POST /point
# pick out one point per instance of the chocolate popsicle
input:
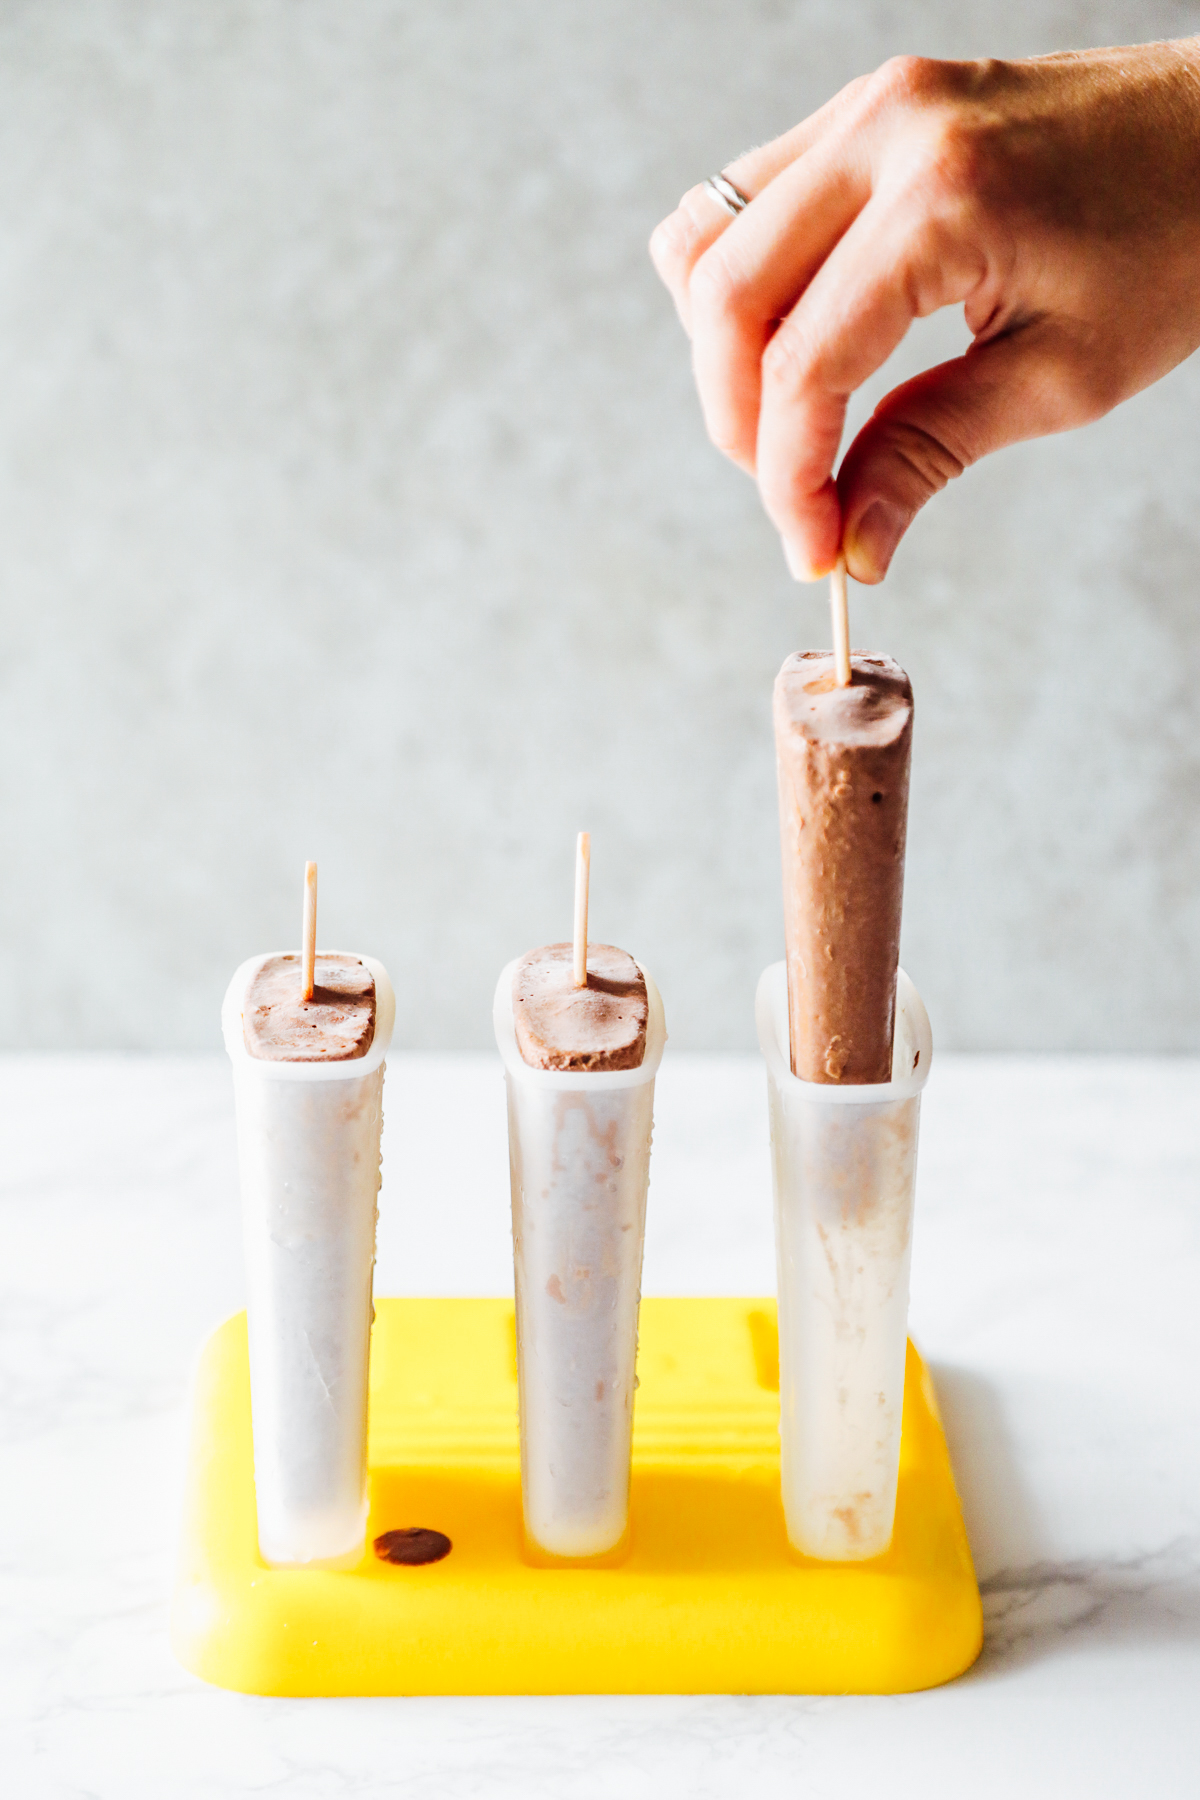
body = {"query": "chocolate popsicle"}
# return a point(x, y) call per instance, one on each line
point(580, 1065)
point(336, 1025)
point(597, 1027)
point(843, 759)
point(308, 1081)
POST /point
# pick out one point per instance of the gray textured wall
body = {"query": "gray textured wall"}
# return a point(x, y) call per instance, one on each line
point(354, 504)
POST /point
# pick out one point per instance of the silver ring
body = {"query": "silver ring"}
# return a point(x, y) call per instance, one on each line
point(730, 197)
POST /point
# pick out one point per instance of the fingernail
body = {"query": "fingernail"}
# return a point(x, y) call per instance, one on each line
point(871, 543)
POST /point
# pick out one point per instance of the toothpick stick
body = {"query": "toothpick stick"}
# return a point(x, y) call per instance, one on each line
point(841, 623)
point(309, 949)
point(583, 869)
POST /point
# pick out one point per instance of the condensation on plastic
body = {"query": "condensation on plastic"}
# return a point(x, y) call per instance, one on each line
point(844, 1161)
point(579, 1158)
point(308, 1153)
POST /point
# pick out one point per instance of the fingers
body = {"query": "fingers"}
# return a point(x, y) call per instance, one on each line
point(678, 243)
point(855, 228)
point(753, 275)
point(888, 268)
point(1023, 385)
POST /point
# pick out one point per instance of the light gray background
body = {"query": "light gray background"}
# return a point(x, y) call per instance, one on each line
point(354, 504)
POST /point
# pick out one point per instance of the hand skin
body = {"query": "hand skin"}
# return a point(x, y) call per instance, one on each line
point(1057, 200)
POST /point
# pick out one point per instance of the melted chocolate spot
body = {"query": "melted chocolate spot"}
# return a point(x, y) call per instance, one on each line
point(412, 1545)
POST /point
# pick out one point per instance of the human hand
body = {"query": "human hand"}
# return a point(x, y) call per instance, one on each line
point(1058, 200)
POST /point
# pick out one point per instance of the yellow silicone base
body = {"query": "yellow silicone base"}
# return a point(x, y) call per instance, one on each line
point(709, 1599)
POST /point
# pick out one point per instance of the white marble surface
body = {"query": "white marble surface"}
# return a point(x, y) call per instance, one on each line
point(1056, 1271)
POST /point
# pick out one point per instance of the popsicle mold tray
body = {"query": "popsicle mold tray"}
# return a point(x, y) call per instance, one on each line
point(709, 1599)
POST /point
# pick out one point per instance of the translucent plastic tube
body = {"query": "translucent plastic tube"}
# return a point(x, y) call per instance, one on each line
point(308, 1153)
point(579, 1156)
point(844, 1161)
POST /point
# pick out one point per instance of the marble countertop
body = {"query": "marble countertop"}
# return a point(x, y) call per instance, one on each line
point(1055, 1281)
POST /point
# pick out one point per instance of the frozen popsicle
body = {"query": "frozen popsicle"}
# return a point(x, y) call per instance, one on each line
point(845, 1088)
point(580, 1064)
point(308, 1083)
point(597, 1027)
point(843, 759)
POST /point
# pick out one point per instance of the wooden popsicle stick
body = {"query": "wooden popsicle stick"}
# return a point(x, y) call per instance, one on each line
point(841, 623)
point(308, 954)
point(583, 870)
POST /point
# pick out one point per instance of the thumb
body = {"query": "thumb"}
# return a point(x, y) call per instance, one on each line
point(924, 433)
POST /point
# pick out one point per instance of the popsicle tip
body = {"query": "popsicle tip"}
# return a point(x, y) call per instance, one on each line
point(840, 614)
point(583, 869)
point(308, 949)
